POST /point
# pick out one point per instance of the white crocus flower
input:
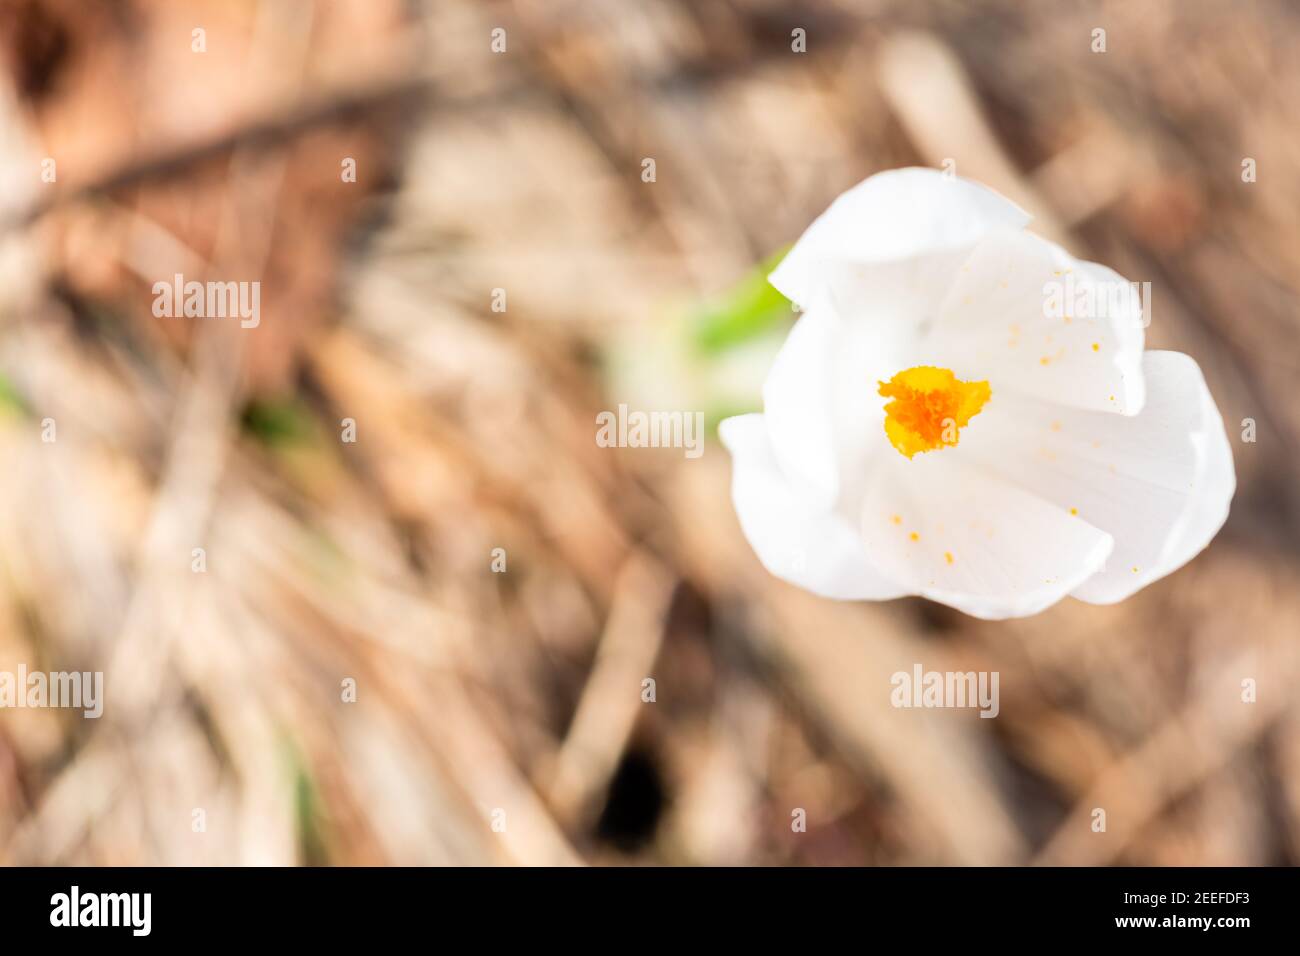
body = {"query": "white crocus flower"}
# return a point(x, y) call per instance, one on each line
point(965, 412)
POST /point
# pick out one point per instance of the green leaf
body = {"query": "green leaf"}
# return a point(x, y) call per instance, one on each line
point(748, 309)
point(310, 823)
point(11, 400)
point(278, 422)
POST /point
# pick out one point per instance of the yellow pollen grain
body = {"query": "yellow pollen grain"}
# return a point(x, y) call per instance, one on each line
point(914, 536)
point(1135, 570)
point(928, 407)
point(1045, 360)
point(947, 556)
point(1074, 511)
point(897, 519)
point(1096, 346)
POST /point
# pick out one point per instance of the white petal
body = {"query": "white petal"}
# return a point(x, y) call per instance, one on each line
point(822, 407)
point(1159, 482)
point(800, 543)
point(1209, 503)
point(892, 216)
point(896, 301)
point(799, 409)
point(1180, 397)
point(981, 545)
point(1027, 316)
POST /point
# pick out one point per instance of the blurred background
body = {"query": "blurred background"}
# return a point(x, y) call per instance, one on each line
point(499, 714)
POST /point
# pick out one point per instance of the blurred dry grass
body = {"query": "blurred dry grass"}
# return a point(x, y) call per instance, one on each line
point(521, 691)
